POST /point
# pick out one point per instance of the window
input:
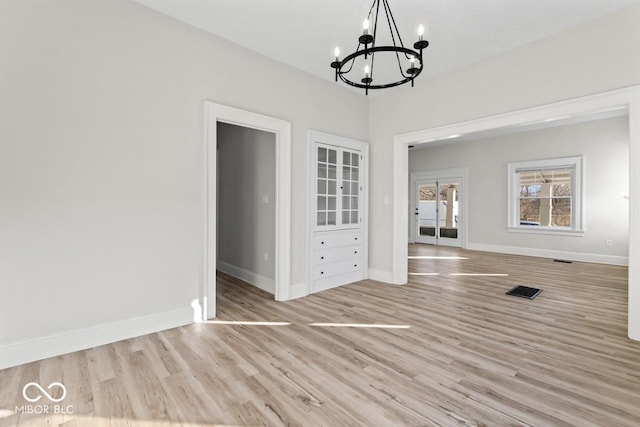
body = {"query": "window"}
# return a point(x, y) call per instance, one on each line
point(545, 196)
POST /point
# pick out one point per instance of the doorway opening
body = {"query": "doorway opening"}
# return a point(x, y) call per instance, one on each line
point(623, 99)
point(246, 216)
point(281, 129)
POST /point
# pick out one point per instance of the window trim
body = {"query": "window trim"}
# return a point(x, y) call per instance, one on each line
point(577, 196)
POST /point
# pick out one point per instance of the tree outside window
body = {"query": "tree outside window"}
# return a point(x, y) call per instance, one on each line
point(545, 196)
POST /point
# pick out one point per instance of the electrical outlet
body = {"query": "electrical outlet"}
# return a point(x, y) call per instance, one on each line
point(265, 198)
point(609, 242)
point(266, 256)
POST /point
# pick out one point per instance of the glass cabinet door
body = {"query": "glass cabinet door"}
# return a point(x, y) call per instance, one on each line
point(338, 174)
point(327, 180)
point(350, 187)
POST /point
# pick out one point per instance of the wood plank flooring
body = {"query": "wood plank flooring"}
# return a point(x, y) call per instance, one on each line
point(447, 349)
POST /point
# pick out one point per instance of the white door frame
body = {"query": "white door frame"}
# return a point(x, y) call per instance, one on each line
point(215, 113)
point(627, 98)
point(450, 173)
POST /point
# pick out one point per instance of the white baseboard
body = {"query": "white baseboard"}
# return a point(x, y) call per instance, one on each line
point(548, 253)
point(22, 352)
point(299, 290)
point(381, 275)
point(257, 280)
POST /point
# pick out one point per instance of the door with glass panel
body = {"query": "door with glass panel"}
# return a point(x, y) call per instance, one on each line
point(437, 211)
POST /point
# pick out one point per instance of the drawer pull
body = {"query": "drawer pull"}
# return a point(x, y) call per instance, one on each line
point(356, 238)
point(321, 257)
point(322, 243)
point(355, 265)
point(355, 252)
point(322, 272)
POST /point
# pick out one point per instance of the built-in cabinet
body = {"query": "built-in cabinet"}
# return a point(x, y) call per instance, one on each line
point(338, 207)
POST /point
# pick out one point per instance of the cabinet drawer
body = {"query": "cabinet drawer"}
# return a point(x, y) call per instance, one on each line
point(323, 256)
point(336, 268)
point(333, 281)
point(332, 240)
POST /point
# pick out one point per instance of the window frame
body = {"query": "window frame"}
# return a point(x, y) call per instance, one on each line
point(576, 163)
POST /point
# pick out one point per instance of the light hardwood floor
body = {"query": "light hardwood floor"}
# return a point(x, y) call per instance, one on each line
point(446, 349)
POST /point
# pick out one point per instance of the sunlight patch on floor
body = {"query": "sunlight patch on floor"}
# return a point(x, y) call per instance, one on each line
point(359, 325)
point(246, 323)
point(326, 325)
point(479, 274)
point(434, 257)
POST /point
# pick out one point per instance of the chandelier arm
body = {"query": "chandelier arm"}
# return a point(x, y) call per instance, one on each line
point(384, 86)
point(373, 57)
point(400, 67)
point(344, 61)
point(356, 54)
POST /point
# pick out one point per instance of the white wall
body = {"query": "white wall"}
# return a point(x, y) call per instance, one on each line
point(101, 138)
point(605, 147)
point(592, 58)
point(101, 141)
point(246, 221)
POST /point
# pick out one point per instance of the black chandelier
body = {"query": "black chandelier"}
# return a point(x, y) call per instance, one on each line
point(412, 59)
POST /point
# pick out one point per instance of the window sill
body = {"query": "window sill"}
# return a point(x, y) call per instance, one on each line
point(547, 230)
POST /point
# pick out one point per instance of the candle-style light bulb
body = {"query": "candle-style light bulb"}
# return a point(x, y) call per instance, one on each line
point(420, 31)
point(367, 70)
point(336, 52)
point(365, 26)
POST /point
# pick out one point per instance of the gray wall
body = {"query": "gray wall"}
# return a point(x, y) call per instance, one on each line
point(562, 66)
point(605, 147)
point(246, 224)
point(101, 141)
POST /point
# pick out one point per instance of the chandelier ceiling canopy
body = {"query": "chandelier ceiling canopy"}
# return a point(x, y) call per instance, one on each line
point(409, 62)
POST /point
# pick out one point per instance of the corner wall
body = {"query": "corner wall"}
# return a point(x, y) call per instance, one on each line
point(101, 140)
point(595, 57)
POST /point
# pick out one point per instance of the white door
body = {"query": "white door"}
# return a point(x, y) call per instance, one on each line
point(438, 211)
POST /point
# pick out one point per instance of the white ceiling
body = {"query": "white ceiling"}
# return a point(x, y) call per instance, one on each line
point(303, 33)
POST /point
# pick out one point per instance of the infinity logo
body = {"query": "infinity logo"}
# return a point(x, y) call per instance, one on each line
point(44, 392)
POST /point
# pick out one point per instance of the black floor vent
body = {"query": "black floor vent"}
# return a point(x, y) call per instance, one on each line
point(563, 260)
point(524, 292)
